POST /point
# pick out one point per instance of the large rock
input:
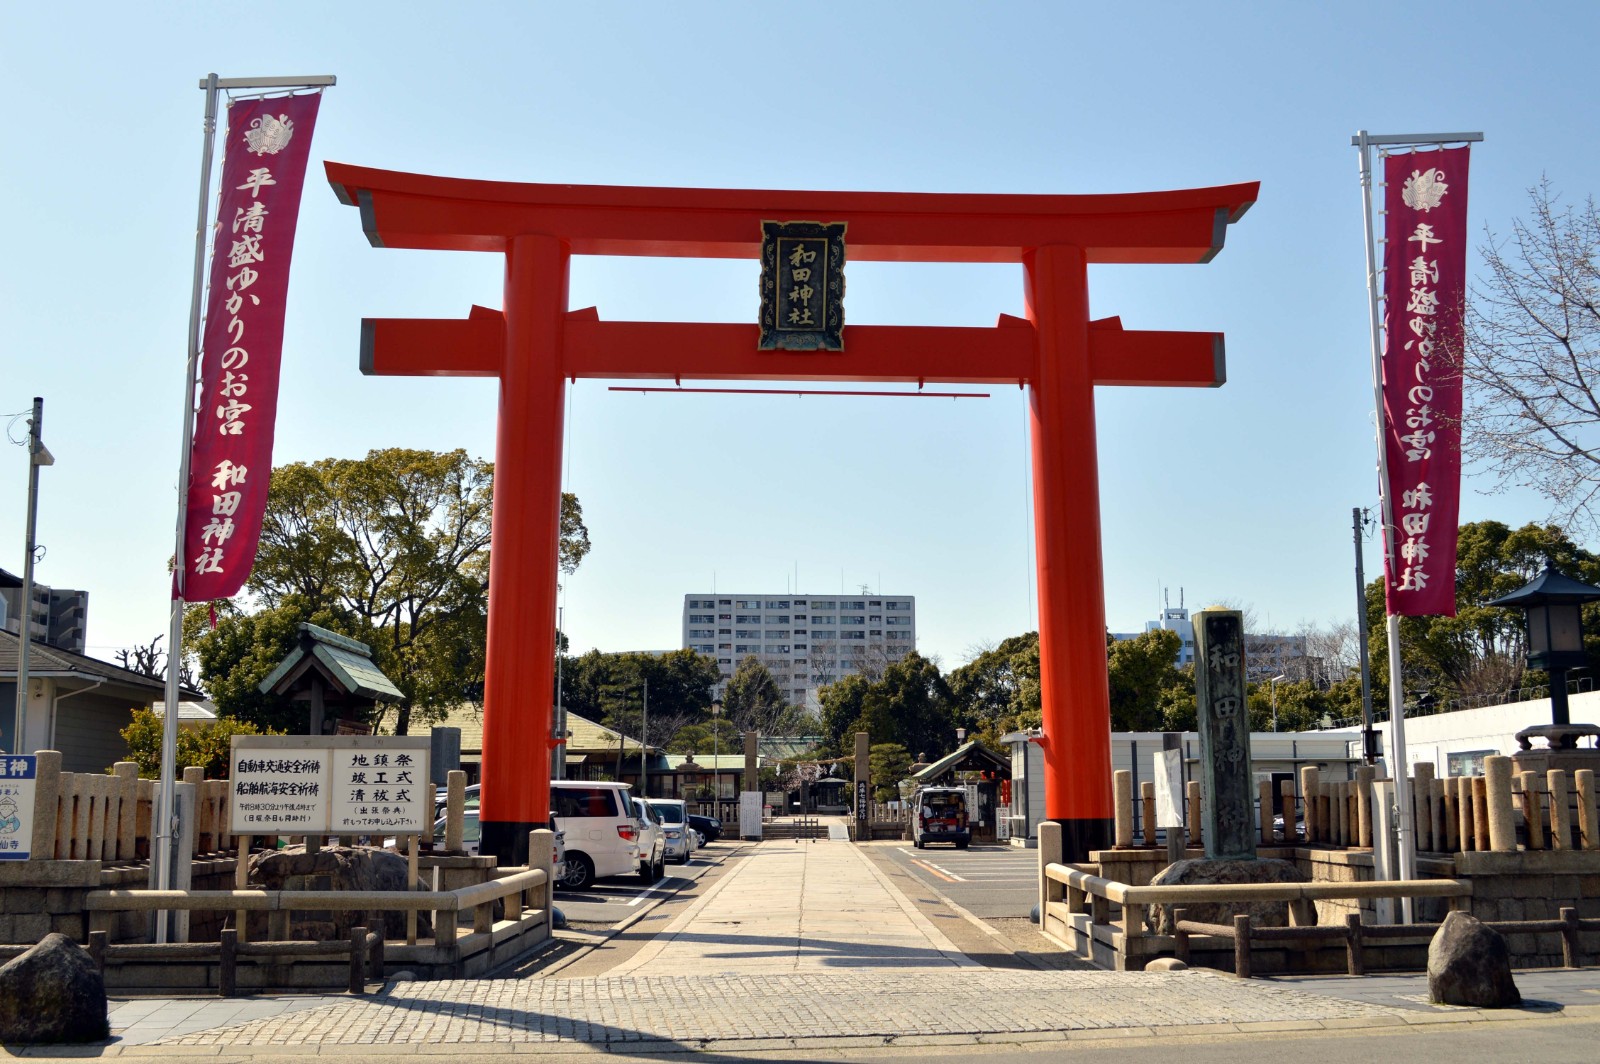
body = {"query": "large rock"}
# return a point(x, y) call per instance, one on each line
point(52, 993)
point(1469, 964)
point(1220, 872)
point(333, 868)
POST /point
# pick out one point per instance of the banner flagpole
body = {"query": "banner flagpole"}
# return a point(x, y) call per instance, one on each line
point(165, 823)
point(1404, 822)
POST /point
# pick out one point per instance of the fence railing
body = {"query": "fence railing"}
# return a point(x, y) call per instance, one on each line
point(1069, 892)
point(1544, 810)
point(1355, 934)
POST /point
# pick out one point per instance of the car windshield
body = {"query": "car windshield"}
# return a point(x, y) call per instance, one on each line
point(643, 811)
point(671, 814)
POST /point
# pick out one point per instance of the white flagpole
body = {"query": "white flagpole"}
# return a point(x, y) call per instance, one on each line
point(1404, 827)
point(166, 818)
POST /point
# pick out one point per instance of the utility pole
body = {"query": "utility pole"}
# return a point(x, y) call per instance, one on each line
point(38, 455)
point(644, 745)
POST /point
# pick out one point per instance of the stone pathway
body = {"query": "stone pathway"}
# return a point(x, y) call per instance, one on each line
point(877, 1006)
point(798, 907)
point(801, 945)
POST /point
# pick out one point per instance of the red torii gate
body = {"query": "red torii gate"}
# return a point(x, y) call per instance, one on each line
point(535, 345)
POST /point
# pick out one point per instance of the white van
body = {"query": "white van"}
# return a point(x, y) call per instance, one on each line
point(601, 829)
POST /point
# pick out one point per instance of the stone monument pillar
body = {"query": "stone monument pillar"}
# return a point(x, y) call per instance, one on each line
point(750, 798)
point(863, 787)
point(1227, 806)
point(1225, 779)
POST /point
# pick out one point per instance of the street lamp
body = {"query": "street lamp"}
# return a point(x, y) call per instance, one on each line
point(716, 762)
point(1274, 688)
point(1554, 605)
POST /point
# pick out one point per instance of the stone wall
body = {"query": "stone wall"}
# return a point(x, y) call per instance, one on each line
point(1536, 885)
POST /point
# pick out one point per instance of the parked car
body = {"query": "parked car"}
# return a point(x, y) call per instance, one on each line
point(674, 817)
point(709, 827)
point(652, 843)
point(442, 799)
point(940, 815)
point(472, 836)
point(603, 831)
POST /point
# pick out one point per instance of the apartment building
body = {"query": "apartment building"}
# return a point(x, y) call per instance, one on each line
point(57, 617)
point(807, 641)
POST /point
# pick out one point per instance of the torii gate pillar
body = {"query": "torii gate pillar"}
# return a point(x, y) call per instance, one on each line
point(1066, 490)
point(535, 345)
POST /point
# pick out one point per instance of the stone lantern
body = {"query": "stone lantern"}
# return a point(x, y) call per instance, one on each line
point(1553, 604)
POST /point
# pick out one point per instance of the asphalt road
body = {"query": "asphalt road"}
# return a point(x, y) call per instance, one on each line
point(987, 881)
point(615, 899)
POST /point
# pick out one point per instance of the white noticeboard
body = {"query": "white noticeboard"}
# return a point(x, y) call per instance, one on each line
point(18, 775)
point(750, 814)
point(329, 785)
point(1169, 788)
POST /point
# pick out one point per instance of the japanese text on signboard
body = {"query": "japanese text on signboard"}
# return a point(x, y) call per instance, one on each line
point(268, 143)
point(1424, 289)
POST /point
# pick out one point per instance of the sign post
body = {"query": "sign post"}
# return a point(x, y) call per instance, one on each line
point(863, 786)
point(1169, 795)
point(18, 776)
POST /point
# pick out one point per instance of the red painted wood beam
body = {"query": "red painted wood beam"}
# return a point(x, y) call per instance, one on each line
point(627, 350)
point(421, 211)
point(1151, 358)
point(434, 347)
point(879, 353)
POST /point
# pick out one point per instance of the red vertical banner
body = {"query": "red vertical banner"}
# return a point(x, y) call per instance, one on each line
point(1424, 288)
point(266, 148)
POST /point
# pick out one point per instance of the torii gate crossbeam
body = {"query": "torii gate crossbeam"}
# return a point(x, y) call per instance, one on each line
point(535, 345)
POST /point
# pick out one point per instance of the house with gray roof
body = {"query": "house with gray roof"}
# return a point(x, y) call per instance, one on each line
point(76, 704)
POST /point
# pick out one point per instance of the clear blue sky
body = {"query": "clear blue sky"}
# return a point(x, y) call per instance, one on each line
point(98, 181)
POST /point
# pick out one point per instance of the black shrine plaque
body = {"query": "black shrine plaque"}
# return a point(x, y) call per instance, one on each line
point(802, 286)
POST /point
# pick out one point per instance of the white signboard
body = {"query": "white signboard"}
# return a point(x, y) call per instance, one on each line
point(1169, 788)
point(18, 773)
point(278, 789)
point(381, 790)
point(329, 785)
point(749, 814)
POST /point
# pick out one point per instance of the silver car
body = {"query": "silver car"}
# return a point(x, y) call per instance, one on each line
point(674, 817)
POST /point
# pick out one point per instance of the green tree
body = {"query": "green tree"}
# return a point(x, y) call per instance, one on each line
point(609, 688)
point(843, 708)
point(753, 701)
point(1480, 652)
point(910, 706)
point(207, 746)
point(715, 735)
point(998, 691)
point(244, 648)
point(1139, 671)
point(393, 550)
point(889, 763)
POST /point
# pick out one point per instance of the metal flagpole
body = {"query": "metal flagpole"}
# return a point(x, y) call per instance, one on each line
point(1404, 827)
point(166, 819)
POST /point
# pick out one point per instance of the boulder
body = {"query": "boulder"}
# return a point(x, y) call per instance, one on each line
point(1166, 964)
point(332, 868)
point(1215, 872)
point(52, 993)
point(1469, 964)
